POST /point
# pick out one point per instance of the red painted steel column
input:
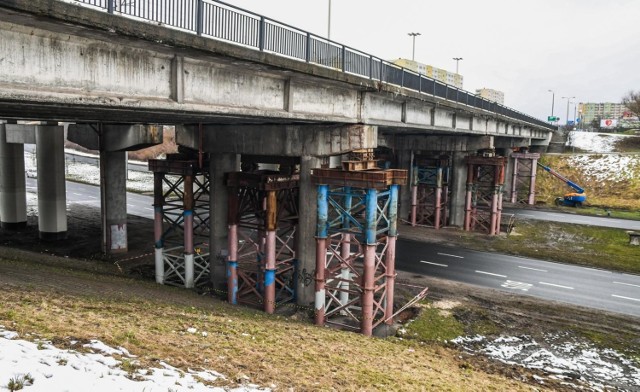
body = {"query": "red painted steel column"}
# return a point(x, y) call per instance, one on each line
point(532, 184)
point(514, 181)
point(345, 273)
point(368, 282)
point(390, 278)
point(321, 257)
point(494, 202)
point(270, 251)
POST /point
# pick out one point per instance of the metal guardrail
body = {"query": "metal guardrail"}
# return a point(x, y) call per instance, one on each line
point(215, 19)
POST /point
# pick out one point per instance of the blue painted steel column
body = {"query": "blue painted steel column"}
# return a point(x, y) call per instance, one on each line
point(368, 276)
point(322, 231)
point(390, 259)
point(271, 223)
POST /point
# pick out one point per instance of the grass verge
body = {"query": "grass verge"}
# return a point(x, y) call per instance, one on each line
point(152, 322)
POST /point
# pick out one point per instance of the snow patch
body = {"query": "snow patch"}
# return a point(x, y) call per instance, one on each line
point(610, 167)
point(592, 141)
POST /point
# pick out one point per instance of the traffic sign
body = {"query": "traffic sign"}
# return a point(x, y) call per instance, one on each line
point(553, 118)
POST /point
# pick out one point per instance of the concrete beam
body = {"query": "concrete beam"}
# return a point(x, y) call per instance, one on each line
point(21, 133)
point(442, 143)
point(115, 137)
point(281, 140)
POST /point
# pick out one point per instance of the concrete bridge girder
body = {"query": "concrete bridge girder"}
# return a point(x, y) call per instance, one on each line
point(278, 140)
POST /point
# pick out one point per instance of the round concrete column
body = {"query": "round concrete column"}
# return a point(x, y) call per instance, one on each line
point(13, 196)
point(52, 214)
point(113, 200)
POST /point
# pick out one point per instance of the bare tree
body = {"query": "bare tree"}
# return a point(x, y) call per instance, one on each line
point(632, 102)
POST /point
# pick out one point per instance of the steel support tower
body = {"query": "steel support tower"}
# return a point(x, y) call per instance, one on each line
point(355, 245)
point(483, 202)
point(181, 220)
point(523, 182)
point(263, 221)
point(430, 191)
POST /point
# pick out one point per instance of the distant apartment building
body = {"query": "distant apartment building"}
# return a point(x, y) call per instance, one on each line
point(436, 73)
point(491, 94)
point(588, 111)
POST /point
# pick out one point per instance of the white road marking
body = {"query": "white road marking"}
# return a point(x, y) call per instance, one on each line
point(556, 285)
point(428, 262)
point(511, 284)
point(447, 254)
point(597, 270)
point(629, 298)
point(77, 194)
point(533, 216)
point(130, 205)
point(532, 269)
point(148, 208)
point(92, 197)
point(492, 274)
point(627, 284)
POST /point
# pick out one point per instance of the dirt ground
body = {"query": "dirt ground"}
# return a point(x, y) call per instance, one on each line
point(513, 314)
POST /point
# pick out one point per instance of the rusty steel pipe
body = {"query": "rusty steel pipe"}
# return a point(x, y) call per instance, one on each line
point(390, 277)
point(368, 282)
point(270, 253)
point(514, 181)
point(532, 183)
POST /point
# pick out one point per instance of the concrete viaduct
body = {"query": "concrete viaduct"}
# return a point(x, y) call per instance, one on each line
point(116, 80)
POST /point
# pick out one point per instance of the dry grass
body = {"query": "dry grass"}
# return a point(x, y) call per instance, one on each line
point(151, 321)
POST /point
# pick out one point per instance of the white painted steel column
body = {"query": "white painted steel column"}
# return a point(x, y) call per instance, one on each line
point(52, 214)
point(13, 195)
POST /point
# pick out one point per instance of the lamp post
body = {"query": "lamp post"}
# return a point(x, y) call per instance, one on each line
point(568, 101)
point(413, 53)
point(553, 102)
point(329, 22)
point(457, 59)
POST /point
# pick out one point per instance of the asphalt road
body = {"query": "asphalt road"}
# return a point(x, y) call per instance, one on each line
point(588, 287)
point(593, 288)
point(625, 224)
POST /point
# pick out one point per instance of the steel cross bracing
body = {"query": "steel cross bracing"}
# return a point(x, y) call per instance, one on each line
point(430, 192)
point(523, 184)
point(355, 247)
point(483, 202)
point(181, 222)
point(263, 222)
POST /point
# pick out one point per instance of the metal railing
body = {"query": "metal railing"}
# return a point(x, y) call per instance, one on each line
point(215, 19)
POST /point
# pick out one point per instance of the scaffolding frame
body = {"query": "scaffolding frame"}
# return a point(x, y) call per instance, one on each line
point(483, 202)
point(430, 191)
point(355, 246)
point(181, 221)
point(523, 182)
point(262, 267)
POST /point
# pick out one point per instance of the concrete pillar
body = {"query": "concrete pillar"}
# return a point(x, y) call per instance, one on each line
point(113, 201)
point(13, 195)
point(405, 161)
point(52, 214)
point(218, 216)
point(307, 230)
point(458, 188)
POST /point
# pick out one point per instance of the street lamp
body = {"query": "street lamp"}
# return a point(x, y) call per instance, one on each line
point(457, 59)
point(413, 53)
point(568, 101)
point(329, 23)
point(553, 102)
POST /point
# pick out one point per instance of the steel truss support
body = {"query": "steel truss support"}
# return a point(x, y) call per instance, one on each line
point(523, 184)
point(355, 247)
point(181, 221)
point(263, 222)
point(483, 203)
point(430, 191)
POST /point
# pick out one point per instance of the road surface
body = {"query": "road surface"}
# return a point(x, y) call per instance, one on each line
point(625, 224)
point(576, 285)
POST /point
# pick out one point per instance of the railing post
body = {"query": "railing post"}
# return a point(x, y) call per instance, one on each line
point(199, 16)
point(402, 78)
point(110, 6)
point(344, 58)
point(434, 87)
point(308, 54)
point(261, 37)
point(446, 92)
point(419, 83)
point(370, 67)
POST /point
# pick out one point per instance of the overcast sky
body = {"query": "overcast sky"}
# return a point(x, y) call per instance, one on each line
point(589, 49)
